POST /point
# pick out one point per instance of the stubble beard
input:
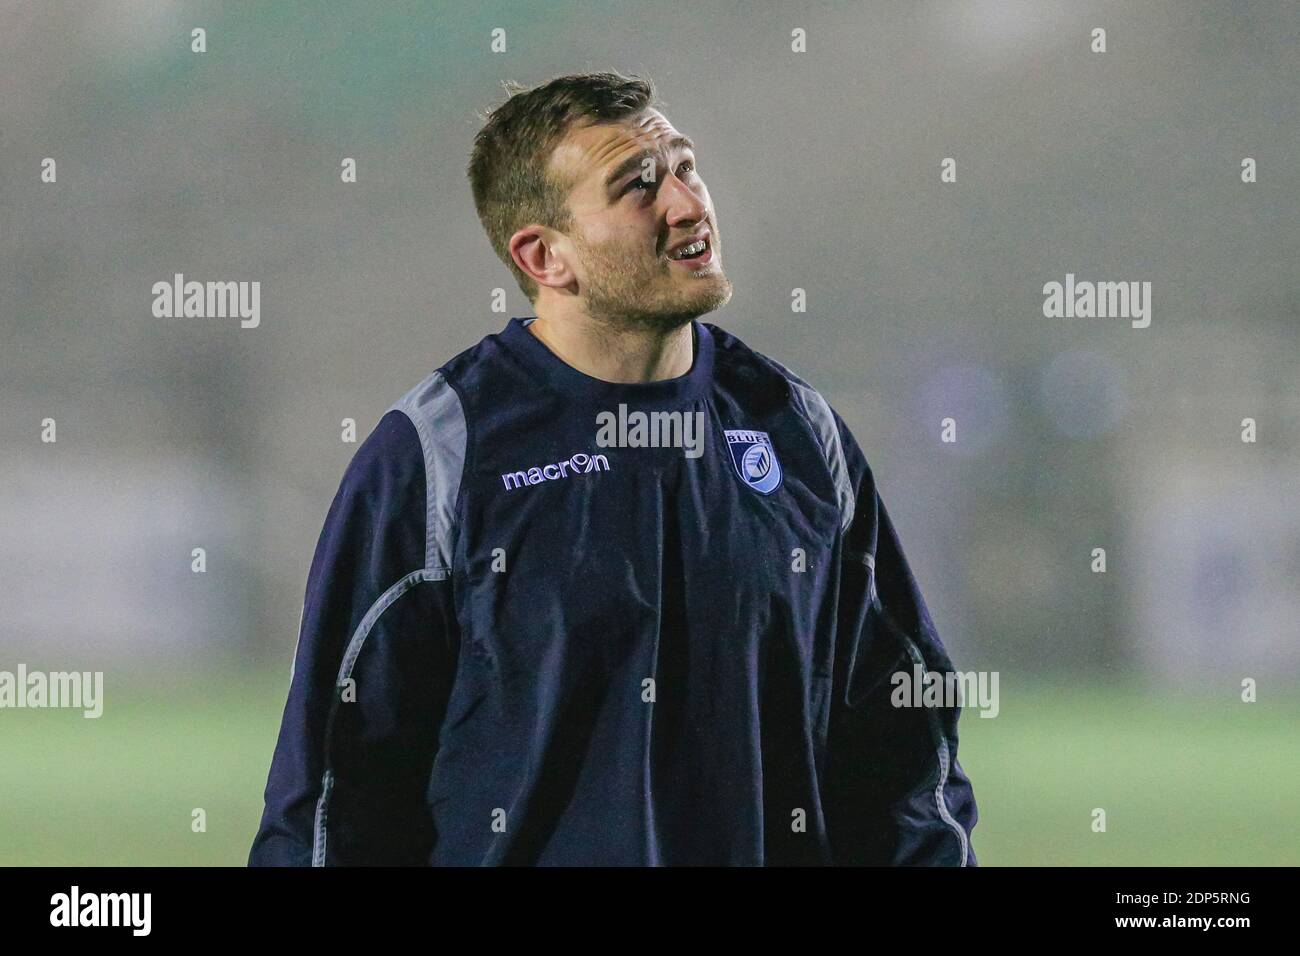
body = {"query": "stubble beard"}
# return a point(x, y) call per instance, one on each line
point(627, 289)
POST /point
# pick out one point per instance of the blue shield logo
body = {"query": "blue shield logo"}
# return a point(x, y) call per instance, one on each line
point(755, 459)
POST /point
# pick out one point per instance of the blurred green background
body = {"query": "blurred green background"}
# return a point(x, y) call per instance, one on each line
point(1184, 780)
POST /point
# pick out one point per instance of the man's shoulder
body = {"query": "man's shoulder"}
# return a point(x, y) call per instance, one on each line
point(424, 429)
point(436, 413)
point(412, 462)
point(738, 362)
point(390, 450)
point(448, 377)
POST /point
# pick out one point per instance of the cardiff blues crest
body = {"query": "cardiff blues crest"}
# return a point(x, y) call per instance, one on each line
point(755, 459)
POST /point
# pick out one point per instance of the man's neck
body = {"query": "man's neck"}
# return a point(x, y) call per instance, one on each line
point(612, 354)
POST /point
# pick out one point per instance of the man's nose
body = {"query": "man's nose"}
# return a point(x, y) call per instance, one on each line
point(684, 205)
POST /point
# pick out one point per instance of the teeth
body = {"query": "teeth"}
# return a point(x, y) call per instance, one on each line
point(694, 249)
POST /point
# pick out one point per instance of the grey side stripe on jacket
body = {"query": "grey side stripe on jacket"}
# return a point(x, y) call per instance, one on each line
point(435, 409)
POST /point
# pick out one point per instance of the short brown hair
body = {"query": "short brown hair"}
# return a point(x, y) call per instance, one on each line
point(508, 166)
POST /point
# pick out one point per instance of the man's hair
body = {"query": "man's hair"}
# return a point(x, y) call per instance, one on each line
point(508, 166)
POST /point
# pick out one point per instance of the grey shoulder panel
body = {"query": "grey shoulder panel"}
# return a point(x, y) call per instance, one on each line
point(435, 409)
point(818, 413)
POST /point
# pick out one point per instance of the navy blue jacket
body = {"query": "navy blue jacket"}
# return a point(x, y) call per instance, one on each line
point(519, 646)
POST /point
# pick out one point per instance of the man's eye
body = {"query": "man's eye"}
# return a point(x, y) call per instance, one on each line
point(687, 166)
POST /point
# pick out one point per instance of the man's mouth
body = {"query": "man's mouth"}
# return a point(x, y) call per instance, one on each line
point(694, 253)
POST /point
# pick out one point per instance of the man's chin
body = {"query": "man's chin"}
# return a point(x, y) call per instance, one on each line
point(670, 312)
point(700, 302)
point(710, 299)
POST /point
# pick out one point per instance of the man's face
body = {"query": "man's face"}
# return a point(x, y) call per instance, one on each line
point(629, 224)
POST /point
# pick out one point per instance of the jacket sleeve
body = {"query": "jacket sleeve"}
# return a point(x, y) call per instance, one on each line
point(370, 677)
point(898, 796)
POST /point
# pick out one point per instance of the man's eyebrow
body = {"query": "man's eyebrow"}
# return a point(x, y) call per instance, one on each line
point(633, 163)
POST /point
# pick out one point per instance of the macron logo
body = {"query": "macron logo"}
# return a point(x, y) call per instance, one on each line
point(578, 464)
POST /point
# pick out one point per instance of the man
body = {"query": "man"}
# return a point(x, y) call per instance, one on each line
point(532, 636)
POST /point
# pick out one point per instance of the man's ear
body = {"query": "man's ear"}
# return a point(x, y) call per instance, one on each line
point(542, 253)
